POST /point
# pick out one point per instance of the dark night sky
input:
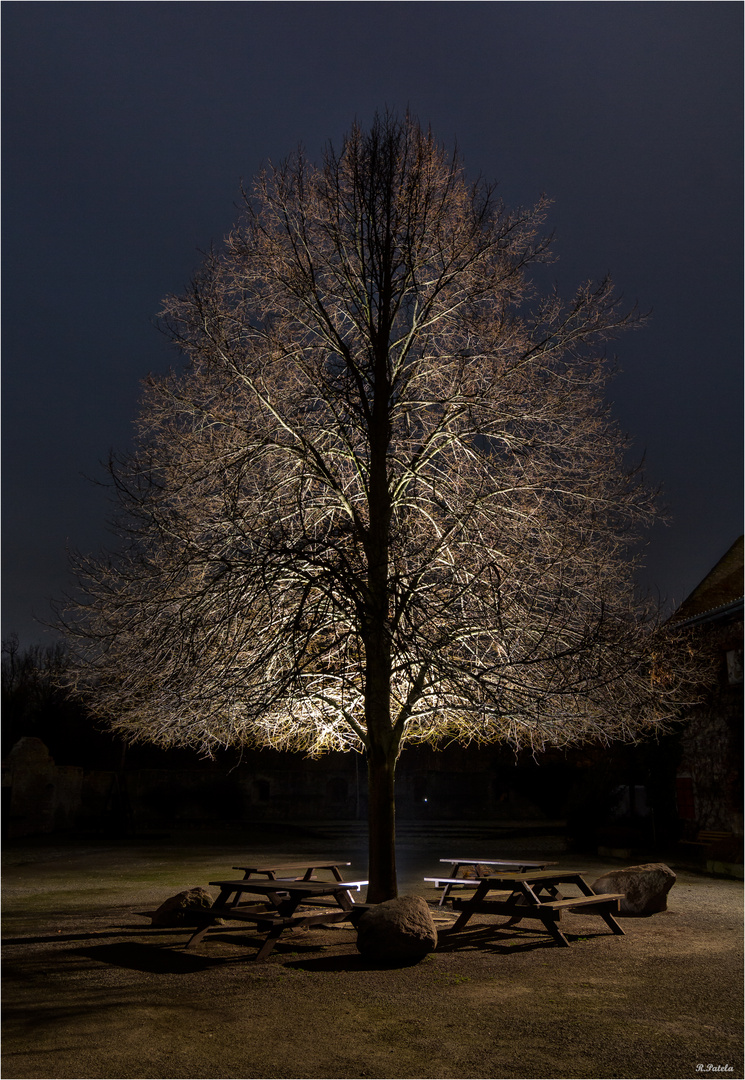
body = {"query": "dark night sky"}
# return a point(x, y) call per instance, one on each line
point(127, 130)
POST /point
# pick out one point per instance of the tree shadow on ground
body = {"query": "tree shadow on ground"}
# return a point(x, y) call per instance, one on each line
point(90, 935)
point(152, 959)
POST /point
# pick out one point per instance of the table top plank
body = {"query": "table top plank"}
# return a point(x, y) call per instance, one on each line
point(472, 881)
point(536, 863)
point(305, 864)
point(557, 877)
point(311, 888)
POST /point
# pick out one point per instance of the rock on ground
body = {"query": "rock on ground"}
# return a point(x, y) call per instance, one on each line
point(400, 929)
point(645, 888)
point(180, 910)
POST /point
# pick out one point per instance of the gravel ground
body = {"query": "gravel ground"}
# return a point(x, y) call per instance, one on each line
point(91, 991)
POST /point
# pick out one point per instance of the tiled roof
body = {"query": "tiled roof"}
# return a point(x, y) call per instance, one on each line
point(720, 589)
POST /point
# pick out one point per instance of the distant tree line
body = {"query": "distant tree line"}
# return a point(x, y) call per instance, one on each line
point(36, 703)
point(39, 701)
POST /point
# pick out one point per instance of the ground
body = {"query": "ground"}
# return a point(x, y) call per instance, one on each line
point(91, 991)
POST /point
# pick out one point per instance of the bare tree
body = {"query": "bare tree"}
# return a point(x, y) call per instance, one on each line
point(384, 502)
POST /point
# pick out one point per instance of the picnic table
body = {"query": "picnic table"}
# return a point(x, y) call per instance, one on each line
point(456, 865)
point(277, 910)
point(532, 894)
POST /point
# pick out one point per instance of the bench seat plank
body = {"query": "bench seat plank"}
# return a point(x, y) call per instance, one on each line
point(454, 881)
point(584, 901)
point(272, 919)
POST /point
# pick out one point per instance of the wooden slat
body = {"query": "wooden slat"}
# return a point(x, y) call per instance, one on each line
point(288, 885)
point(307, 865)
point(581, 901)
point(244, 915)
point(707, 837)
point(498, 862)
point(454, 881)
point(272, 919)
point(531, 876)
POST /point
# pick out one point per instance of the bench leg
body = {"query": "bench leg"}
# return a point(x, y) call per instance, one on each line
point(269, 943)
point(552, 926)
point(198, 934)
point(513, 920)
point(471, 905)
point(461, 921)
point(518, 915)
point(446, 891)
point(612, 923)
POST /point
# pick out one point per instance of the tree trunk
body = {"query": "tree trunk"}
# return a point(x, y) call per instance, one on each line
point(381, 768)
point(382, 742)
point(382, 754)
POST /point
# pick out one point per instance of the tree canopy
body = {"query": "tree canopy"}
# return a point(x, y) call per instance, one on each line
point(384, 501)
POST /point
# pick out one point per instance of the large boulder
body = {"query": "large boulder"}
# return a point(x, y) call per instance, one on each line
point(400, 930)
point(645, 888)
point(182, 909)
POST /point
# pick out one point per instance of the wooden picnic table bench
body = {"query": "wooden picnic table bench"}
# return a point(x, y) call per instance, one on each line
point(278, 910)
point(707, 839)
point(532, 894)
point(456, 865)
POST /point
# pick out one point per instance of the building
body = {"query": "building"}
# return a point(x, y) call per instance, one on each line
point(709, 781)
